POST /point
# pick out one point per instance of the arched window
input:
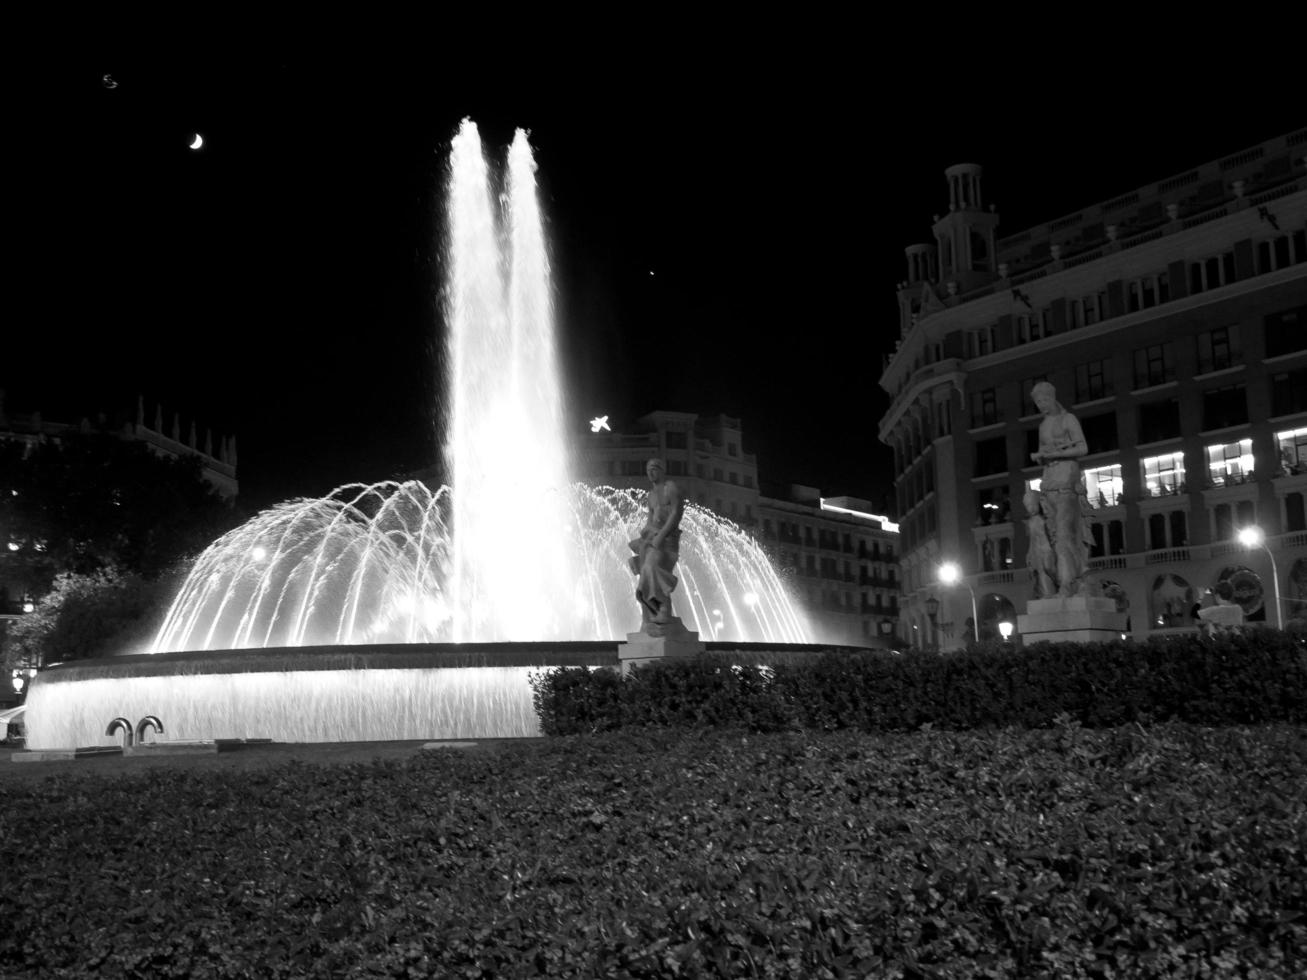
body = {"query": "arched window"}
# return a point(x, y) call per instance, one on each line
point(1171, 602)
point(1248, 590)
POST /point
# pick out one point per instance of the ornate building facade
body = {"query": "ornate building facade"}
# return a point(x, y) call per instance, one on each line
point(1172, 320)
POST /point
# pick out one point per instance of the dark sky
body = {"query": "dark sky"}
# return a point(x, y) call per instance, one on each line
point(282, 282)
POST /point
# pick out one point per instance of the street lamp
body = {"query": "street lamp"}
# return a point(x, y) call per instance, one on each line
point(1005, 628)
point(951, 574)
point(1251, 537)
point(932, 611)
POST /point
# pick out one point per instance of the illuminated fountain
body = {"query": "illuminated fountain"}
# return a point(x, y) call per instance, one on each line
point(373, 564)
point(316, 620)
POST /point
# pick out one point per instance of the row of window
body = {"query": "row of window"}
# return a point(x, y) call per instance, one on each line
point(1145, 292)
point(1164, 529)
point(1216, 350)
point(830, 568)
point(678, 467)
point(728, 508)
point(792, 532)
point(916, 486)
point(1225, 464)
point(674, 439)
point(918, 527)
point(838, 600)
point(1157, 421)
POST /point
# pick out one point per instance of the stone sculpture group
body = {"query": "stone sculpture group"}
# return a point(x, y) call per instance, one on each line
point(1057, 518)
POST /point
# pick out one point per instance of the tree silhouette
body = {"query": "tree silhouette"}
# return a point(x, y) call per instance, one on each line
point(92, 500)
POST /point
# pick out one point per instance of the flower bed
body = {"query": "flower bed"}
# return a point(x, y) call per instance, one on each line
point(1066, 852)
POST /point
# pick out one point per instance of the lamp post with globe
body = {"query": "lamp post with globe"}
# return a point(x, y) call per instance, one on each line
point(1252, 537)
point(932, 613)
point(1005, 631)
point(950, 573)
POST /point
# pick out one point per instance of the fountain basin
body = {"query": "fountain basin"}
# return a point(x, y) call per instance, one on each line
point(304, 694)
point(366, 693)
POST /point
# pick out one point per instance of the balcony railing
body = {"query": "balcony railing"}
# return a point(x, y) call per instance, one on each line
point(1166, 556)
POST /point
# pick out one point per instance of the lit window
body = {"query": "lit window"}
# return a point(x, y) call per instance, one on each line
point(1103, 485)
point(1230, 463)
point(1163, 474)
point(1293, 450)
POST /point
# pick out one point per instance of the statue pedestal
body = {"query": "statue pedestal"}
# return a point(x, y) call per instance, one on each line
point(673, 640)
point(1078, 619)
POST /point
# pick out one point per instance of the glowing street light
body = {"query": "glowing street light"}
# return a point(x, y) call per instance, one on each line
point(1252, 537)
point(950, 573)
point(1005, 630)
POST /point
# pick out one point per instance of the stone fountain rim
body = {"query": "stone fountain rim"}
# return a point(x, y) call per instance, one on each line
point(395, 656)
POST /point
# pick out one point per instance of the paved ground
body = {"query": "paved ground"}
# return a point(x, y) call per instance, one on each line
point(243, 759)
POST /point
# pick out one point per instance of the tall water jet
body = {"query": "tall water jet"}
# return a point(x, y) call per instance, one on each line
point(505, 439)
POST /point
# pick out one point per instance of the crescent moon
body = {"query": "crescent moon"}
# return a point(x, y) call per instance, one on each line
point(198, 142)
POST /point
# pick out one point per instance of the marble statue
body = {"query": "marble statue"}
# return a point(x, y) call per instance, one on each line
point(1064, 504)
point(1040, 558)
point(656, 551)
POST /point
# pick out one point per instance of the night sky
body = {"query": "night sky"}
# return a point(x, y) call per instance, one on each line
point(282, 282)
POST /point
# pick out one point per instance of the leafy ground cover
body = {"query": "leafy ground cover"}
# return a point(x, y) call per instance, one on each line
point(1061, 852)
point(1253, 678)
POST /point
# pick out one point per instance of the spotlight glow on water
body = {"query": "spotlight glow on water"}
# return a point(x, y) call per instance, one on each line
point(374, 564)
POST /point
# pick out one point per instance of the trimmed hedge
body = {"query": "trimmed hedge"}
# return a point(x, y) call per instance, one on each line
point(1259, 676)
point(1172, 851)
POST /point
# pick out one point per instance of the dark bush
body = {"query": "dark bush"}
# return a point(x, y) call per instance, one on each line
point(1255, 677)
point(97, 614)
